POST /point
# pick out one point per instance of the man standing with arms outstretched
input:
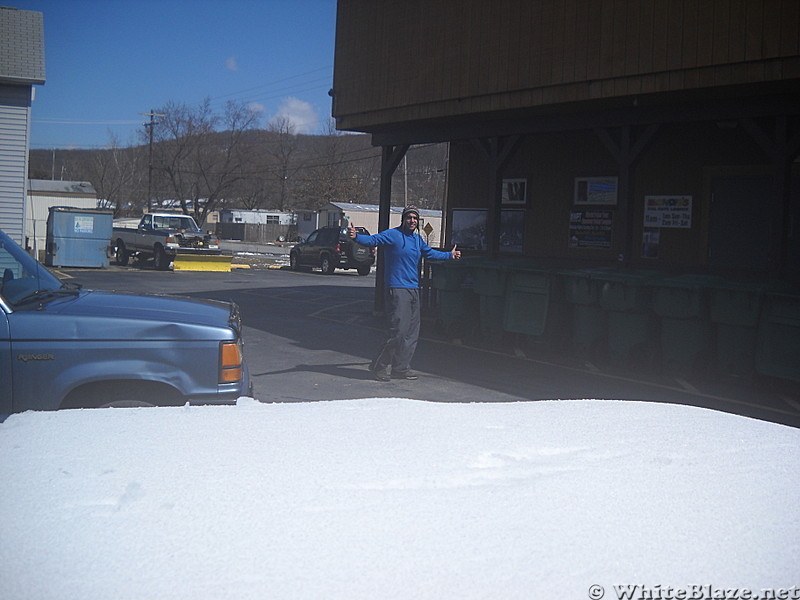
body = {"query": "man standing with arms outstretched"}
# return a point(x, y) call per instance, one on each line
point(402, 250)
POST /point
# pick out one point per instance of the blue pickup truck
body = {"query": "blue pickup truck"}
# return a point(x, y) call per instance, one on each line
point(63, 347)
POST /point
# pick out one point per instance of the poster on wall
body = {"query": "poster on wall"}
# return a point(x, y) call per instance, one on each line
point(469, 228)
point(596, 190)
point(512, 231)
point(515, 191)
point(668, 212)
point(590, 228)
point(651, 240)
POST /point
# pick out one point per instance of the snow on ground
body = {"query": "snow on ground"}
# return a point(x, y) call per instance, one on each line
point(394, 498)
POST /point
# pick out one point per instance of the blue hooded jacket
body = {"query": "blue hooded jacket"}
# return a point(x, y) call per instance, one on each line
point(402, 253)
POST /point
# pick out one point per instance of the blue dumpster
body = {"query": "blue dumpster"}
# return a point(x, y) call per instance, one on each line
point(78, 237)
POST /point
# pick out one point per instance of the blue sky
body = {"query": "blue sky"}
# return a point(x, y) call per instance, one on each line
point(108, 61)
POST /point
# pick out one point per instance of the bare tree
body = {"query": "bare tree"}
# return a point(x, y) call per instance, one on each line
point(200, 155)
point(116, 175)
point(282, 165)
point(338, 171)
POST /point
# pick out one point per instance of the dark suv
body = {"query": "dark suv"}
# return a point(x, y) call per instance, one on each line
point(330, 248)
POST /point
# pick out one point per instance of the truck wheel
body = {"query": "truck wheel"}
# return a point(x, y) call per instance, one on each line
point(122, 254)
point(293, 261)
point(126, 404)
point(363, 269)
point(160, 261)
point(327, 266)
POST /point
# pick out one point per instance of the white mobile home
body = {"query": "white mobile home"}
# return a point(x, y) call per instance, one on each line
point(366, 215)
point(256, 217)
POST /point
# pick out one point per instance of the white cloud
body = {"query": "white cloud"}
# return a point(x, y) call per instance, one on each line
point(300, 114)
point(232, 64)
point(257, 107)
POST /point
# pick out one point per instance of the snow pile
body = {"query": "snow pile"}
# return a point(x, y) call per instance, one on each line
point(394, 498)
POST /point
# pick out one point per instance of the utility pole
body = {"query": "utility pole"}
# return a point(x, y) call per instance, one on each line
point(149, 126)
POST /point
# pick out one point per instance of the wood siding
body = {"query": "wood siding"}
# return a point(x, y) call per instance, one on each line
point(408, 60)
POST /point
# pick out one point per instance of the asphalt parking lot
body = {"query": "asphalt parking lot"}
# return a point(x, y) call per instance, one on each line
point(310, 337)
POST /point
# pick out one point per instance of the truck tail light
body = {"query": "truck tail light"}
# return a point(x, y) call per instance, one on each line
point(230, 363)
point(338, 248)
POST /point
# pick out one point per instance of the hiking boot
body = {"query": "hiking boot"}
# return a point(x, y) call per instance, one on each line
point(410, 375)
point(381, 373)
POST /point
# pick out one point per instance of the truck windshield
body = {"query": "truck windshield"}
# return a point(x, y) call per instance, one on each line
point(176, 222)
point(22, 276)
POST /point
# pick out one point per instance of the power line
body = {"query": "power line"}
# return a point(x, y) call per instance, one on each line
point(244, 91)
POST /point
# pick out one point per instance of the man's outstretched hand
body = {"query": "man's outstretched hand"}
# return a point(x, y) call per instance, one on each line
point(455, 254)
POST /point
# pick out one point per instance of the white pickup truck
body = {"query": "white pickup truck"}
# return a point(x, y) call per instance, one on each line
point(161, 236)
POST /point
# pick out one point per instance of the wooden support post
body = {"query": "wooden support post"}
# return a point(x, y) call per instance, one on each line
point(782, 148)
point(498, 150)
point(390, 159)
point(626, 152)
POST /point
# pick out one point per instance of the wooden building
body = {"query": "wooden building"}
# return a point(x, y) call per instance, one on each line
point(657, 132)
point(633, 136)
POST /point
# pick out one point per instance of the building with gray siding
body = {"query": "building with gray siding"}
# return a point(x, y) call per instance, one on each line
point(21, 67)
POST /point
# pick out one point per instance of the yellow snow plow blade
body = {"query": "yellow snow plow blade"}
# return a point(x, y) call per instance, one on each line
point(202, 262)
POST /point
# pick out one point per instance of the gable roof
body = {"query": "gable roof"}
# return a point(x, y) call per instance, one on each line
point(21, 46)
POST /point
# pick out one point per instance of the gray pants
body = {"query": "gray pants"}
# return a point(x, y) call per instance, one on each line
point(402, 312)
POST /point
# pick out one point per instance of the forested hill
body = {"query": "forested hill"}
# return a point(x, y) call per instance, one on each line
point(252, 169)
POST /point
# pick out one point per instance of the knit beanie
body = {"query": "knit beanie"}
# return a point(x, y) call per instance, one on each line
point(413, 210)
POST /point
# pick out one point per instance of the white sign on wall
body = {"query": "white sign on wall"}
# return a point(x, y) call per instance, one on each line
point(668, 212)
point(84, 224)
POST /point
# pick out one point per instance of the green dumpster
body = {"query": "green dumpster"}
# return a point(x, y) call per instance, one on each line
point(457, 304)
point(632, 327)
point(490, 286)
point(735, 309)
point(682, 303)
point(527, 301)
point(534, 307)
point(452, 275)
point(778, 343)
point(588, 319)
